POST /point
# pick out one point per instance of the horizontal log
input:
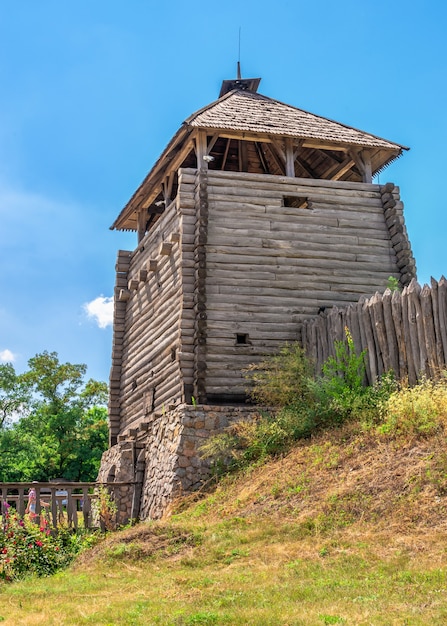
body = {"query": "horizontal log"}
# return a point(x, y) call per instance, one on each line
point(307, 190)
point(378, 262)
point(213, 176)
point(300, 239)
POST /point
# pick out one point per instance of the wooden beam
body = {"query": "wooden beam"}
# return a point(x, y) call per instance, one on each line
point(243, 156)
point(279, 149)
point(318, 145)
point(367, 174)
point(167, 187)
point(261, 158)
point(175, 164)
point(276, 158)
point(227, 147)
point(306, 167)
point(336, 171)
point(356, 155)
point(141, 224)
point(290, 158)
point(212, 142)
point(245, 136)
point(201, 150)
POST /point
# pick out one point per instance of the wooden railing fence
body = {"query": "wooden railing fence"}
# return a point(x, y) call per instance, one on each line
point(401, 331)
point(68, 503)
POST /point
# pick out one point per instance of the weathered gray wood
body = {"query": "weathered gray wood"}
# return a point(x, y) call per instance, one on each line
point(417, 335)
point(397, 313)
point(392, 358)
point(273, 179)
point(399, 330)
point(442, 306)
point(429, 331)
point(242, 262)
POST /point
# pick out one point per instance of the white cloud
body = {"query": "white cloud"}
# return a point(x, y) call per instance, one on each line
point(101, 310)
point(6, 356)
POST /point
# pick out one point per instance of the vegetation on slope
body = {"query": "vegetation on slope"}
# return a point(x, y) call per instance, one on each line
point(346, 525)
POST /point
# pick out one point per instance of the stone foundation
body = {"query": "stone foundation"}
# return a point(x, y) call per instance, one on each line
point(160, 459)
point(118, 465)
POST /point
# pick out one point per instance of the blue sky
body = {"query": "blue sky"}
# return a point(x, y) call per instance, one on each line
point(92, 91)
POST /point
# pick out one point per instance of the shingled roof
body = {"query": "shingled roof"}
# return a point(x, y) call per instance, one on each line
point(328, 149)
point(253, 112)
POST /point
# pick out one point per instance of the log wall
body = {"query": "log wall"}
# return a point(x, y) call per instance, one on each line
point(148, 301)
point(271, 265)
point(229, 271)
point(401, 331)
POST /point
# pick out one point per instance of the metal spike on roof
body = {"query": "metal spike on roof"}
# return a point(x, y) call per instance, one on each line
point(244, 84)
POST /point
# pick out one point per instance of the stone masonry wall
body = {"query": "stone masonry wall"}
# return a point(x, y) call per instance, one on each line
point(169, 445)
point(118, 465)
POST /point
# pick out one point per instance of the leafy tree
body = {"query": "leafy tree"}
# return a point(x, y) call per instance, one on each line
point(65, 431)
point(14, 395)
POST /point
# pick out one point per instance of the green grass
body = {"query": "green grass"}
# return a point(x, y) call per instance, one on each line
point(347, 528)
point(245, 573)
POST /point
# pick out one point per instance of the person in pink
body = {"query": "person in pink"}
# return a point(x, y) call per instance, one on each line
point(31, 506)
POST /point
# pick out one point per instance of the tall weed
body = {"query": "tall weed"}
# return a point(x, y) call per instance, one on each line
point(283, 379)
point(418, 410)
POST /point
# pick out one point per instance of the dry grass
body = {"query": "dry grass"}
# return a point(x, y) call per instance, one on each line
point(398, 483)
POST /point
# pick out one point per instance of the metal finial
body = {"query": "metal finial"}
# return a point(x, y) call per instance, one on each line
point(239, 57)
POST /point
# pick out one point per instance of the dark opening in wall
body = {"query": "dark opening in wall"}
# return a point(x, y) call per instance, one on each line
point(242, 339)
point(149, 401)
point(296, 202)
point(111, 474)
point(173, 354)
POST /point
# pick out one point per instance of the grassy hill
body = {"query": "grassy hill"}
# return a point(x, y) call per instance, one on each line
point(349, 527)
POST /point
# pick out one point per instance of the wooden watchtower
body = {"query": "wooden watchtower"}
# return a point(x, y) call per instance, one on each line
point(256, 216)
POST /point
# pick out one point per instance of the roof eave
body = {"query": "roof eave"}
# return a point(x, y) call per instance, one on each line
point(152, 177)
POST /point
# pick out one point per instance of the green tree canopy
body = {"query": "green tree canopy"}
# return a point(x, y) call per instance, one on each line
point(14, 394)
point(63, 431)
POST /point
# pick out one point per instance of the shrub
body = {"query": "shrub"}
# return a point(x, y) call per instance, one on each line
point(392, 284)
point(340, 392)
point(104, 509)
point(283, 379)
point(418, 410)
point(304, 403)
point(248, 441)
point(26, 548)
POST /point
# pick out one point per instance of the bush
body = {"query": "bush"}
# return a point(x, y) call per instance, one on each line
point(248, 441)
point(283, 379)
point(26, 548)
point(304, 403)
point(418, 410)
